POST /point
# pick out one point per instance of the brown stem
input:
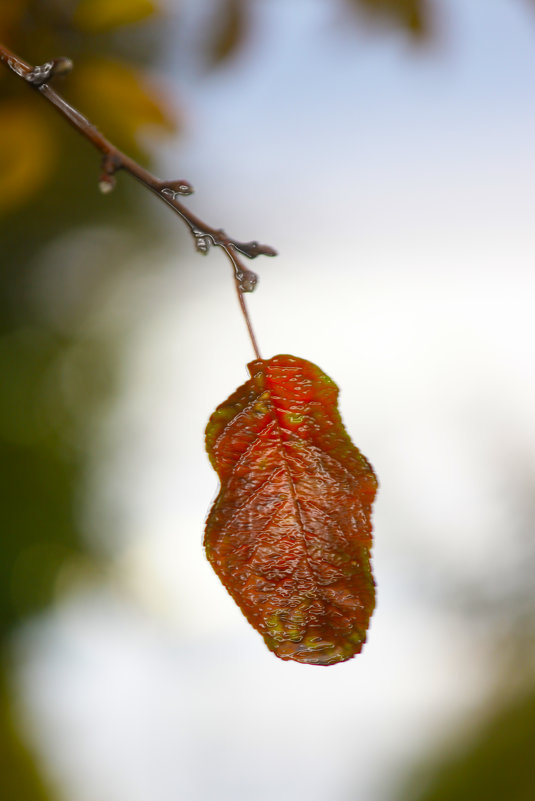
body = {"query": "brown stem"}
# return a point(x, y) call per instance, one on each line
point(243, 306)
point(114, 159)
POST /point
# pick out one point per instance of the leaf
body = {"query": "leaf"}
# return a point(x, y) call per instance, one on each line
point(93, 16)
point(27, 154)
point(289, 534)
point(230, 31)
point(122, 101)
point(11, 14)
point(413, 15)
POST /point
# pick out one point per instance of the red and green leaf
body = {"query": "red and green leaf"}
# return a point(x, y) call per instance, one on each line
point(289, 534)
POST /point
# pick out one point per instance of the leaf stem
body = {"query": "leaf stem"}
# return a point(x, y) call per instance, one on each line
point(243, 306)
point(113, 160)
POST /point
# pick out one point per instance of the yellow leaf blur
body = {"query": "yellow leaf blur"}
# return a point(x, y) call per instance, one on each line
point(27, 153)
point(120, 100)
point(92, 16)
point(230, 30)
point(11, 13)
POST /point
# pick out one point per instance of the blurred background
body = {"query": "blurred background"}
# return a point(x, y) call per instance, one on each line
point(385, 148)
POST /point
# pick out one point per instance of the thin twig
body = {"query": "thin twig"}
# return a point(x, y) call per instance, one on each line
point(114, 160)
point(243, 306)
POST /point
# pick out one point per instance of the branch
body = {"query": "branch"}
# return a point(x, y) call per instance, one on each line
point(114, 160)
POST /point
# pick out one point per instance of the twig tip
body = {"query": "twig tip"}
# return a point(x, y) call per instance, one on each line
point(106, 184)
point(248, 281)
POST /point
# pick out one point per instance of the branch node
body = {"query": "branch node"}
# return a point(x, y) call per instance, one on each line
point(203, 242)
point(174, 189)
point(113, 160)
point(44, 72)
point(254, 249)
point(109, 165)
point(247, 280)
point(107, 184)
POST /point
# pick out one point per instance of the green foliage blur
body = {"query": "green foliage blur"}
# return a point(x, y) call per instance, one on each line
point(57, 374)
point(493, 763)
point(53, 378)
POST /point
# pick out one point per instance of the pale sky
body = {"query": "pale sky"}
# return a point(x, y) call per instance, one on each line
point(398, 186)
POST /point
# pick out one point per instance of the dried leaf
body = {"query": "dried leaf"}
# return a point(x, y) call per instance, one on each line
point(289, 534)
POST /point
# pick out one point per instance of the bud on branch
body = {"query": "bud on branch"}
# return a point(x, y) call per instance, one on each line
point(114, 160)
